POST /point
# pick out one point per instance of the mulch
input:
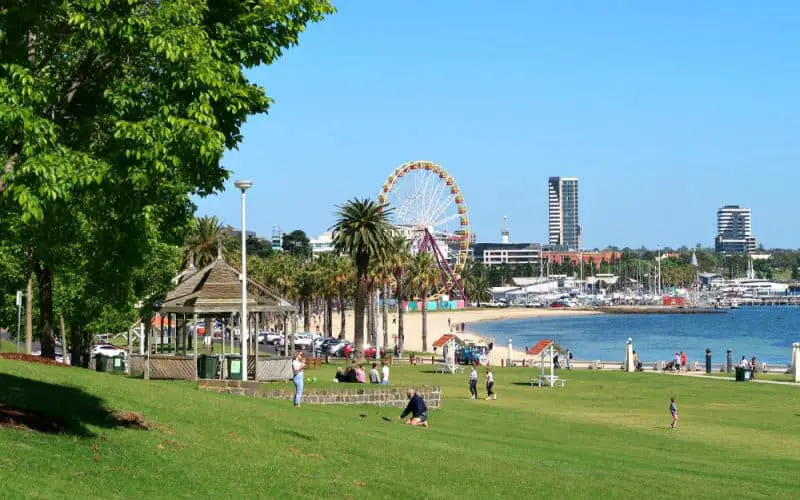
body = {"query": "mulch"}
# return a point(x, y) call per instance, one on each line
point(18, 356)
point(18, 418)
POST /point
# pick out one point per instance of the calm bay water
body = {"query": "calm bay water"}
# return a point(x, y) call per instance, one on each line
point(764, 332)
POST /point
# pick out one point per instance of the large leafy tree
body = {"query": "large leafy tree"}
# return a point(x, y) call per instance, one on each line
point(297, 244)
point(362, 231)
point(113, 113)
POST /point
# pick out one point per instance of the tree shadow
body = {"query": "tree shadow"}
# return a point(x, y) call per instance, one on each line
point(56, 409)
point(527, 384)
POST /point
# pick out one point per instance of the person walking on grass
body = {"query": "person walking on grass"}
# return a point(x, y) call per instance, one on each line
point(473, 383)
point(490, 385)
point(297, 368)
point(374, 376)
point(673, 409)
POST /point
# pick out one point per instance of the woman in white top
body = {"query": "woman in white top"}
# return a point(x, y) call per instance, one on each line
point(297, 368)
point(473, 383)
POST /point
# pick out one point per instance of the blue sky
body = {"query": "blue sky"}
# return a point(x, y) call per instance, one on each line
point(664, 110)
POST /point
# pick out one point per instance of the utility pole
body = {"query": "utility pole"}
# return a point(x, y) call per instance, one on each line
point(19, 315)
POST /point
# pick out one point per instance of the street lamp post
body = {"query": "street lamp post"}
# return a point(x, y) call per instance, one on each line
point(19, 316)
point(244, 185)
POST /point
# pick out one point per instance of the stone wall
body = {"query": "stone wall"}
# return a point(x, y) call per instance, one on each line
point(348, 394)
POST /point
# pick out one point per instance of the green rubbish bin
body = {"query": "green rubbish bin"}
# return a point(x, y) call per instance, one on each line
point(207, 366)
point(102, 363)
point(741, 374)
point(234, 367)
point(117, 364)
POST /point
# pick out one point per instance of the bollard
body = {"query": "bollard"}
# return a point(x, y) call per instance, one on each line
point(708, 360)
point(729, 362)
point(502, 362)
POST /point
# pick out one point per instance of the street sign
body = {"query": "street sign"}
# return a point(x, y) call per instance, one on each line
point(19, 298)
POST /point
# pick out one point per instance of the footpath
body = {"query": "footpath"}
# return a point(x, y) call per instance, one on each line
point(729, 379)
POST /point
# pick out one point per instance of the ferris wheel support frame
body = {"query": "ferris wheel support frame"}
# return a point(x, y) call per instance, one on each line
point(449, 279)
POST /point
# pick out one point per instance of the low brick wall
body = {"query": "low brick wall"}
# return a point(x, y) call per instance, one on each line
point(348, 394)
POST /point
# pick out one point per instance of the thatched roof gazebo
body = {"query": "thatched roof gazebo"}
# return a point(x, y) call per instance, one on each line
point(211, 292)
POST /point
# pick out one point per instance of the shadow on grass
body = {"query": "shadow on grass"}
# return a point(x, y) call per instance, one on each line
point(526, 384)
point(52, 408)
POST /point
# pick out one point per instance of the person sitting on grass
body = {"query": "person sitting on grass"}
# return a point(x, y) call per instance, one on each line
point(351, 375)
point(374, 376)
point(361, 375)
point(340, 376)
point(416, 408)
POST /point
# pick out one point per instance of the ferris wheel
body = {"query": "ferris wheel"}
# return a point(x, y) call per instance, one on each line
point(429, 209)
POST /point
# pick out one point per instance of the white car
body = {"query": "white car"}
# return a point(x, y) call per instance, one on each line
point(271, 338)
point(107, 350)
point(301, 340)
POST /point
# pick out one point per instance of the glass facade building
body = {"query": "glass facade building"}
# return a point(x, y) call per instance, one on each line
point(564, 224)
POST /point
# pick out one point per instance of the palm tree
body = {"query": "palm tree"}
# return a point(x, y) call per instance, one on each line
point(328, 288)
point(477, 288)
point(306, 287)
point(424, 277)
point(344, 287)
point(204, 241)
point(363, 232)
point(396, 263)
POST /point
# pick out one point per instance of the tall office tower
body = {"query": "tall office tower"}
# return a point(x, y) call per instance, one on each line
point(564, 226)
point(734, 230)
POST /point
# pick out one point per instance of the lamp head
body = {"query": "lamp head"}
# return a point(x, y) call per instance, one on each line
point(243, 184)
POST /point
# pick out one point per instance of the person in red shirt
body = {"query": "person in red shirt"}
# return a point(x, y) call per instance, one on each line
point(683, 360)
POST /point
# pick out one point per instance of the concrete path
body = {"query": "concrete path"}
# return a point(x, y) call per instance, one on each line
point(706, 377)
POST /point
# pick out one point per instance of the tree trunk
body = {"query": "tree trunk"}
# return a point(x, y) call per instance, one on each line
point(81, 347)
point(64, 353)
point(400, 312)
point(329, 317)
point(425, 322)
point(29, 314)
point(385, 308)
point(342, 315)
point(371, 316)
point(44, 278)
point(306, 315)
point(360, 303)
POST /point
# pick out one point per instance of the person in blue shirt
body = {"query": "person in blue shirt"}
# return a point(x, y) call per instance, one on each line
point(417, 409)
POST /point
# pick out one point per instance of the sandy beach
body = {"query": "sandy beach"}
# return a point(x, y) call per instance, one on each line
point(438, 325)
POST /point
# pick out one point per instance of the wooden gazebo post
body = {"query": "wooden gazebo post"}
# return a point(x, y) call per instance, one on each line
point(194, 344)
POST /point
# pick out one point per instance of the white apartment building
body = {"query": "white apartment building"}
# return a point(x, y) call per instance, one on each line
point(734, 230)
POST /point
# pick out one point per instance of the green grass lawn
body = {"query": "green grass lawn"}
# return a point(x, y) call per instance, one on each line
point(6, 346)
point(605, 435)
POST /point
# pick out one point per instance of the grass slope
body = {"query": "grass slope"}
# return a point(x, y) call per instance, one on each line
point(604, 435)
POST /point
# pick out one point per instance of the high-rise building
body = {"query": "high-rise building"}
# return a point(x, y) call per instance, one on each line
point(564, 226)
point(734, 230)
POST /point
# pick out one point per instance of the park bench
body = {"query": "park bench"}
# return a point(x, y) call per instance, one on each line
point(444, 368)
point(547, 381)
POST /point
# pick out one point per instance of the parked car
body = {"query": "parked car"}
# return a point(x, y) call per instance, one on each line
point(269, 337)
point(301, 340)
point(369, 351)
point(107, 350)
point(336, 347)
point(319, 343)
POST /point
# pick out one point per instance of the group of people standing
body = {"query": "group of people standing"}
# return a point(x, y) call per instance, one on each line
point(473, 383)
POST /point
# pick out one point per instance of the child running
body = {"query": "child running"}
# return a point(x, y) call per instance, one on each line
point(490, 385)
point(673, 409)
point(473, 383)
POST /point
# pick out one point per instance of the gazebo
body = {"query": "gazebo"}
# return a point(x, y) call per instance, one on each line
point(211, 292)
point(546, 349)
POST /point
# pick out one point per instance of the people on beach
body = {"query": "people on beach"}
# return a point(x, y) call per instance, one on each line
point(374, 376)
point(490, 385)
point(473, 383)
point(384, 373)
point(673, 409)
point(416, 408)
point(297, 368)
